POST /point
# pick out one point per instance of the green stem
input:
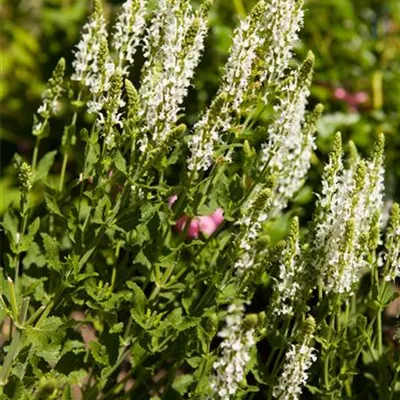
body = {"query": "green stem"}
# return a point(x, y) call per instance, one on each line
point(12, 354)
point(63, 169)
point(16, 343)
point(35, 153)
point(336, 305)
point(66, 155)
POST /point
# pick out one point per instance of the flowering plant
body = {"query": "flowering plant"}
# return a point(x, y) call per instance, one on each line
point(147, 269)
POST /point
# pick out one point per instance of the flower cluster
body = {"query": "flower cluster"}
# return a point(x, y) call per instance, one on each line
point(288, 150)
point(49, 106)
point(392, 245)
point(237, 342)
point(205, 224)
point(250, 226)
point(127, 33)
point(85, 65)
point(269, 34)
point(173, 45)
point(347, 213)
point(110, 117)
point(290, 280)
point(96, 69)
point(298, 361)
point(285, 19)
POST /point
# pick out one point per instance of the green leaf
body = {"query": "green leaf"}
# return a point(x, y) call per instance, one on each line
point(51, 247)
point(46, 339)
point(120, 162)
point(34, 256)
point(99, 353)
point(27, 240)
point(52, 205)
point(69, 137)
point(101, 210)
point(182, 382)
point(139, 298)
point(44, 166)
point(10, 225)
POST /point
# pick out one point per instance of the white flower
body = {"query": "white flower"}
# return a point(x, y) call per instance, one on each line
point(287, 152)
point(351, 199)
point(285, 19)
point(127, 33)
point(86, 55)
point(290, 282)
point(260, 52)
point(172, 49)
point(298, 360)
point(250, 226)
point(230, 368)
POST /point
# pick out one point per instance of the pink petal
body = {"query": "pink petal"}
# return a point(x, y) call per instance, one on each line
point(193, 230)
point(172, 200)
point(218, 216)
point(207, 225)
point(340, 93)
point(361, 97)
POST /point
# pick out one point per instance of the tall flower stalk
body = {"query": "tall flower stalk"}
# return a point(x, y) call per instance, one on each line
point(173, 46)
point(237, 341)
point(268, 33)
point(346, 213)
point(298, 360)
point(127, 33)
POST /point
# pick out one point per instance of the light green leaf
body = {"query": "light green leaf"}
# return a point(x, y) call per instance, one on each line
point(27, 240)
point(99, 353)
point(44, 166)
point(51, 247)
point(120, 162)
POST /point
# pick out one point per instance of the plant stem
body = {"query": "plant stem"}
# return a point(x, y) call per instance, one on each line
point(66, 155)
point(35, 153)
point(63, 169)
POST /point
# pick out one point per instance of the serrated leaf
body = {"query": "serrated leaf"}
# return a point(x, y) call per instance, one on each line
point(52, 205)
point(46, 338)
point(102, 207)
point(139, 305)
point(27, 239)
point(51, 247)
point(99, 353)
point(34, 256)
point(44, 165)
point(204, 339)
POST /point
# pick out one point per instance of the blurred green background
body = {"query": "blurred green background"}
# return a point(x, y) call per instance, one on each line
point(357, 77)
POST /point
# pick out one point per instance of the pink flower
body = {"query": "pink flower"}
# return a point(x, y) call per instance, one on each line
point(208, 224)
point(172, 200)
point(193, 230)
point(340, 93)
point(205, 224)
point(218, 216)
point(353, 100)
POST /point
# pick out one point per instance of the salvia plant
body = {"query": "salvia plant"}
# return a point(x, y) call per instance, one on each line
point(138, 262)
